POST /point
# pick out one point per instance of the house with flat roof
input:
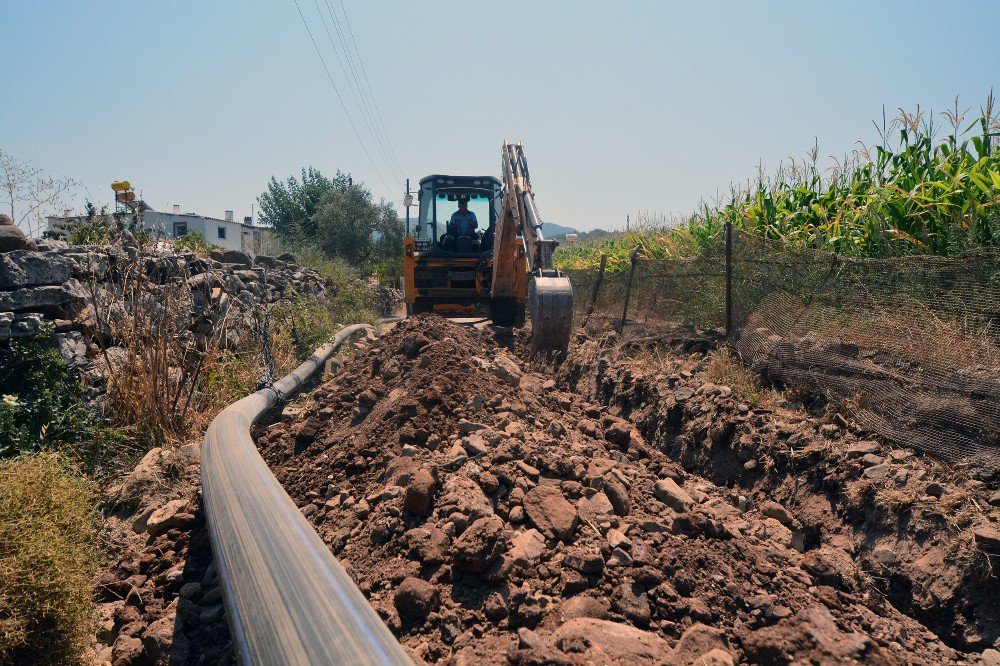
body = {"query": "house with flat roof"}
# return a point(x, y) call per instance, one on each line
point(225, 232)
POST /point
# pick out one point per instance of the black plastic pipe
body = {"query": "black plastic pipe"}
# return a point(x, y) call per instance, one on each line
point(288, 600)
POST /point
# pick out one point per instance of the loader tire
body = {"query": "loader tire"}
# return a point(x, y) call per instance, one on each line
point(418, 307)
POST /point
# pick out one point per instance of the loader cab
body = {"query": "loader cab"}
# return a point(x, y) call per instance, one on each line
point(438, 196)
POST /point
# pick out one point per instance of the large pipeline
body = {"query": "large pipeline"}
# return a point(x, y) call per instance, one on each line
point(287, 599)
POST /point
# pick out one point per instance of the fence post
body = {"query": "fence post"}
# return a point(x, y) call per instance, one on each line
point(597, 285)
point(634, 256)
point(729, 278)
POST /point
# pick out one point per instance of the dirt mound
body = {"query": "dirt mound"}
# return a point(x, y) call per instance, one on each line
point(492, 517)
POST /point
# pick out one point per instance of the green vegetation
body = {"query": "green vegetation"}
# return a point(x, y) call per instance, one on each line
point(336, 219)
point(99, 227)
point(301, 324)
point(195, 242)
point(289, 206)
point(915, 193)
point(43, 407)
point(47, 561)
point(653, 243)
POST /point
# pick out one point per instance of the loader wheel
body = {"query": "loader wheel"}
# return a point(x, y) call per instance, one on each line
point(507, 312)
point(418, 307)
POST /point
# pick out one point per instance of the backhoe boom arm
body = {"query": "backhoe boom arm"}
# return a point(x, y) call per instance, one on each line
point(550, 296)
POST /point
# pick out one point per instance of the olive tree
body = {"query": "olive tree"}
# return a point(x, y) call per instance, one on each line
point(350, 225)
point(288, 206)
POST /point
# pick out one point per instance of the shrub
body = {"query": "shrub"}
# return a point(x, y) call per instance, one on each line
point(195, 242)
point(43, 406)
point(47, 561)
point(302, 325)
point(164, 384)
point(351, 300)
point(389, 271)
point(99, 227)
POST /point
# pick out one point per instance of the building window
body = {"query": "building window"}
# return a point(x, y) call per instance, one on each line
point(222, 233)
point(180, 229)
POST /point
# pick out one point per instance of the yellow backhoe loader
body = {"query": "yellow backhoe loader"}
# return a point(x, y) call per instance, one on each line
point(497, 257)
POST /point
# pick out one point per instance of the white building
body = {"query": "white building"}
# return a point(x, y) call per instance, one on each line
point(226, 233)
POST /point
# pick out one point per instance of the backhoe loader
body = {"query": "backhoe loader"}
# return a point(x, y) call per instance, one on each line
point(504, 263)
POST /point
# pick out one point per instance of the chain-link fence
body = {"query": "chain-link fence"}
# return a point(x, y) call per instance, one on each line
point(909, 348)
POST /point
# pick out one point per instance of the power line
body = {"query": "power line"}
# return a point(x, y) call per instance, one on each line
point(368, 83)
point(340, 98)
point(371, 95)
point(366, 115)
point(381, 136)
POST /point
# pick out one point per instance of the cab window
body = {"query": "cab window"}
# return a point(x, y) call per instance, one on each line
point(478, 205)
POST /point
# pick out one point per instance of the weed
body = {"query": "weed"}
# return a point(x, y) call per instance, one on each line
point(196, 243)
point(153, 371)
point(47, 561)
point(389, 271)
point(99, 227)
point(724, 368)
point(183, 352)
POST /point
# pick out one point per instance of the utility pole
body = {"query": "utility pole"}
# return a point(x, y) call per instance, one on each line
point(407, 202)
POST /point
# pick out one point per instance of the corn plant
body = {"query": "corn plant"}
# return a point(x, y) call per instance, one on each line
point(915, 193)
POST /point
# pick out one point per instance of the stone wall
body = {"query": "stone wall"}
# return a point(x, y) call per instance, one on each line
point(72, 292)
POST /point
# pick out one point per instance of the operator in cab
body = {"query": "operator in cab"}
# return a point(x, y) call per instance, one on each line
point(463, 221)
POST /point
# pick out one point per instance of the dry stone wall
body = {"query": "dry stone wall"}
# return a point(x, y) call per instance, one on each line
point(72, 291)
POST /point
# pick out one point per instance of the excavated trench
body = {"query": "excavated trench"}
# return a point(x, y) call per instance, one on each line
point(638, 503)
point(920, 532)
point(626, 509)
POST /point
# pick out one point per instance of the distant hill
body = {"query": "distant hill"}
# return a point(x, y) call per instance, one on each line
point(551, 229)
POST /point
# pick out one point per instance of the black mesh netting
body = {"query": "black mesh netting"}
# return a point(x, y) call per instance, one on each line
point(909, 348)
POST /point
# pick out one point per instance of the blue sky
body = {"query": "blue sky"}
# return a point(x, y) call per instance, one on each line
point(623, 107)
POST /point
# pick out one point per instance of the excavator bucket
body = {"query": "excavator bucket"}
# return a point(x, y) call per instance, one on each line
point(550, 302)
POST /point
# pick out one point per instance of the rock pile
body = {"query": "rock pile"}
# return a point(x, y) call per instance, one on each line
point(492, 517)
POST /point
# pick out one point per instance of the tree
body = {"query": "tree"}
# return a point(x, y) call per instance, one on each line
point(289, 207)
point(29, 192)
point(349, 225)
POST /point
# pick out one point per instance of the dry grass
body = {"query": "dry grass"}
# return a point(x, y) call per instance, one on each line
point(47, 561)
point(175, 355)
point(724, 368)
point(911, 331)
point(150, 361)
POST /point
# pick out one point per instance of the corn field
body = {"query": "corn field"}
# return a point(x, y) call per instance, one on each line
point(916, 193)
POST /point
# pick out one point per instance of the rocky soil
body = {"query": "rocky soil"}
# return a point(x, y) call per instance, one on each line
point(924, 532)
point(160, 601)
point(626, 511)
